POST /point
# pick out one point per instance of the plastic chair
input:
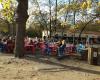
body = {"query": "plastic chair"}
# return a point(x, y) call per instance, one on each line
point(42, 48)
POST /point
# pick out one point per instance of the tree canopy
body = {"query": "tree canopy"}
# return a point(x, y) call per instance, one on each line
point(7, 10)
point(71, 12)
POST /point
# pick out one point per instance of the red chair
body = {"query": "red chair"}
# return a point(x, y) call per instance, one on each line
point(71, 50)
point(42, 48)
point(40, 44)
point(30, 48)
point(10, 47)
point(53, 50)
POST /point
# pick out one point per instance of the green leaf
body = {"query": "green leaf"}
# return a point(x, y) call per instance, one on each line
point(0, 1)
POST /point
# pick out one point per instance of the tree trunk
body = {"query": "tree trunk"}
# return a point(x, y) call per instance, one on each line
point(74, 14)
point(56, 16)
point(8, 24)
point(83, 28)
point(21, 18)
point(11, 29)
point(50, 17)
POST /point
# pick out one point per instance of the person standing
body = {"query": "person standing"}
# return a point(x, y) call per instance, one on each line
point(61, 47)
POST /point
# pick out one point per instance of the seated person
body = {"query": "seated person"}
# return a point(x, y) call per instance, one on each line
point(1, 46)
point(4, 42)
point(47, 48)
point(81, 48)
point(31, 42)
point(10, 45)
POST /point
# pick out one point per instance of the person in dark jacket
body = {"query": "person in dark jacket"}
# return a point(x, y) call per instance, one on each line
point(61, 47)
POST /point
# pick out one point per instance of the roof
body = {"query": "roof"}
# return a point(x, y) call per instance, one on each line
point(84, 34)
point(91, 32)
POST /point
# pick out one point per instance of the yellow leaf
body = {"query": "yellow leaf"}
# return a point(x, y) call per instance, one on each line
point(0, 1)
point(89, 3)
point(84, 5)
point(98, 3)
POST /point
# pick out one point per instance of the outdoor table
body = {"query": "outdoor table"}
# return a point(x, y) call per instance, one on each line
point(10, 47)
point(40, 44)
point(70, 49)
point(53, 48)
point(42, 47)
point(30, 48)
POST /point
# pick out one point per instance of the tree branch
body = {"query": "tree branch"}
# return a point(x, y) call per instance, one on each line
point(87, 24)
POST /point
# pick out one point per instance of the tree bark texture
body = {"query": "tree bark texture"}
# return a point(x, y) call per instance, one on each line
point(21, 18)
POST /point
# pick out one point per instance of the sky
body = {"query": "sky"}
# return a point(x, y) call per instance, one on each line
point(45, 8)
point(47, 1)
point(0, 6)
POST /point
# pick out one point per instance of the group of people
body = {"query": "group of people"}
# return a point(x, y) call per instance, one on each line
point(7, 45)
point(79, 48)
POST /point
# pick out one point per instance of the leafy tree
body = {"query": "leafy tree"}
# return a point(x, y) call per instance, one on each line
point(3, 26)
point(31, 32)
point(21, 19)
point(7, 13)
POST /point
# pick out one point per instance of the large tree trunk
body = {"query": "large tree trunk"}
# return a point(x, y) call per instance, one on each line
point(21, 19)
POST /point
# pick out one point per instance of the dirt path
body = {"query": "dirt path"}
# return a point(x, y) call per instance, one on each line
point(46, 69)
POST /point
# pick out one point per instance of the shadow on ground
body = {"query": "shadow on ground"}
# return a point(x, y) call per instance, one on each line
point(64, 67)
point(61, 67)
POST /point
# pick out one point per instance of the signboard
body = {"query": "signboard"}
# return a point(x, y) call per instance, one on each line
point(95, 54)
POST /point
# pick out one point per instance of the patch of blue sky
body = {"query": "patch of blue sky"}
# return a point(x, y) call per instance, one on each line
point(46, 8)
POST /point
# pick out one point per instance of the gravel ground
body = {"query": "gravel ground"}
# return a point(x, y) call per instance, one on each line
point(45, 68)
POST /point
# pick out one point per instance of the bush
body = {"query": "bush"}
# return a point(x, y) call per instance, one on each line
point(33, 33)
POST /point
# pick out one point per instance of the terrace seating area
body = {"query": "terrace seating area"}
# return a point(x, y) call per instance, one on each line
point(46, 47)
